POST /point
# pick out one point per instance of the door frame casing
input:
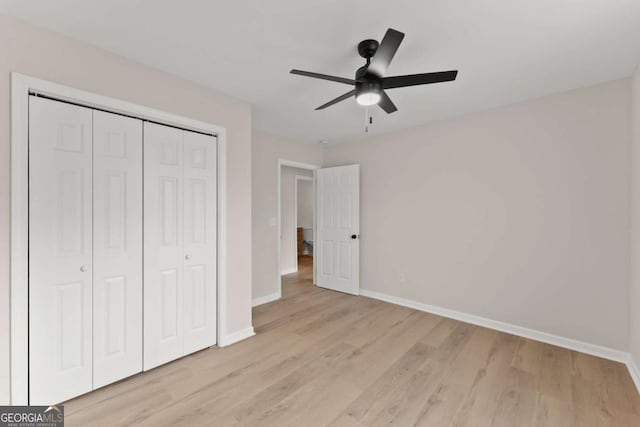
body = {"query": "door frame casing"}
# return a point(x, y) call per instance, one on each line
point(21, 88)
point(299, 165)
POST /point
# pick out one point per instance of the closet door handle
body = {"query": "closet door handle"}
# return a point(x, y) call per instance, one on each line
point(187, 257)
point(84, 268)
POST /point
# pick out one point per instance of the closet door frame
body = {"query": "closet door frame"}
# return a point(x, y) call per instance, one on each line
point(22, 87)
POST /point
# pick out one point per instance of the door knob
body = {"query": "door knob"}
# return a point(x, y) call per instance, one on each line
point(84, 268)
point(187, 257)
point(354, 236)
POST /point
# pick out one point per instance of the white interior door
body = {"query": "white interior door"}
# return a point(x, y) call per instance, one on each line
point(117, 243)
point(200, 235)
point(337, 240)
point(163, 244)
point(60, 251)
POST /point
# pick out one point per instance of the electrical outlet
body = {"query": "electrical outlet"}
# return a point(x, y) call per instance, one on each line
point(402, 276)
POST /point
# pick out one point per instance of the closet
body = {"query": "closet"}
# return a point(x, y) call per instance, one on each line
point(122, 247)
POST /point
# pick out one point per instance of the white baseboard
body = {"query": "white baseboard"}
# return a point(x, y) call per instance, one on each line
point(634, 371)
point(265, 299)
point(288, 271)
point(234, 337)
point(571, 344)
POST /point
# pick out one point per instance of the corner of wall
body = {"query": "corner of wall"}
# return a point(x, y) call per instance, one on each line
point(634, 288)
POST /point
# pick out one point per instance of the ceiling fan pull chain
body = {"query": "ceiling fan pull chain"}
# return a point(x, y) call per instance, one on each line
point(366, 115)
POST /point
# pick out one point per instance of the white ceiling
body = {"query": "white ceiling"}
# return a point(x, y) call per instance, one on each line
point(506, 50)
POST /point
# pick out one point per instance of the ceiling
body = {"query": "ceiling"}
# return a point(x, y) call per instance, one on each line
point(506, 51)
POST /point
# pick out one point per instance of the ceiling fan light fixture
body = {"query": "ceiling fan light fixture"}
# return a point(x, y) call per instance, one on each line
point(369, 91)
point(368, 98)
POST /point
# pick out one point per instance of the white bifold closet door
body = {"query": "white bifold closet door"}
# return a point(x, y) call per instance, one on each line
point(85, 249)
point(117, 247)
point(180, 233)
point(200, 241)
point(60, 251)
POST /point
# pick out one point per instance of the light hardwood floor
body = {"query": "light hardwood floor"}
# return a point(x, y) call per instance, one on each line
point(324, 358)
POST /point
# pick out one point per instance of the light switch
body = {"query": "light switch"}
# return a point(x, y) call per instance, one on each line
point(273, 221)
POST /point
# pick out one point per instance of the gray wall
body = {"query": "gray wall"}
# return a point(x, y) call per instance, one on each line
point(519, 214)
point(305, 203)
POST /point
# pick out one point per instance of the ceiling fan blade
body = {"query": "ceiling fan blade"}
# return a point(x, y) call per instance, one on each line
point(323, 77)
point(338, 99)
point(384, 54)
point(418, 79)
point(386, 103)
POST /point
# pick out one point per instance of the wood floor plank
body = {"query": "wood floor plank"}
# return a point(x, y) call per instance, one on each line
point(482, 399)
point(405, 401)
point(551, 411)
point(517, 402)
point(554, 381)
point(383, 350)
point(528, 356)
point(325, 358)
point(374, 398)
point(257, 410)
point(451, 396)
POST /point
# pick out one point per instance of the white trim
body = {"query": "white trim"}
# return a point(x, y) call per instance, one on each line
point(314, 227)
point(21, 85)
point(222, 236)
point(299, 165)
point(571, 344)
point(289, 271)
point(265, 299)
point(634, 371)
point(19, 318)
point(234, 337)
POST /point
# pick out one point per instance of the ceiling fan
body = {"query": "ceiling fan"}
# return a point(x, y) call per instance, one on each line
point(370, 82)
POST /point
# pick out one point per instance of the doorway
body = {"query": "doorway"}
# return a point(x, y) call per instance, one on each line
point(304, 216)
point(296, 219)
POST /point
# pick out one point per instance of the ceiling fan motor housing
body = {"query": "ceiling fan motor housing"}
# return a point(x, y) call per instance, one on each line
point(367, 82)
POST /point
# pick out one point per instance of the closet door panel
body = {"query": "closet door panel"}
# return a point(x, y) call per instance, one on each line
point(200, 234)
point(117, 241)
point(163, 244)
point(60, 251)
